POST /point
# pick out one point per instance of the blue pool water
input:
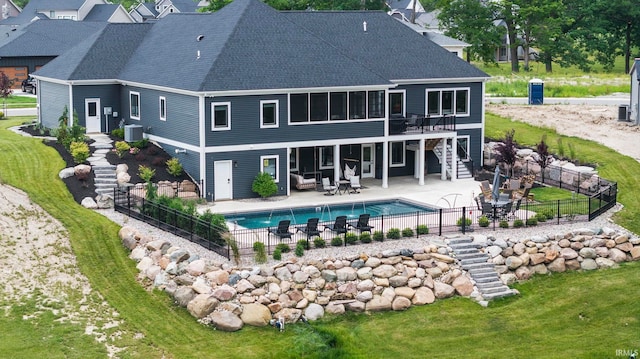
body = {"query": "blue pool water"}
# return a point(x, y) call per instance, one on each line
point(325, 213)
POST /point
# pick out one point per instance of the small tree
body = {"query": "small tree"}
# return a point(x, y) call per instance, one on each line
point(507, 151)
point(264, 185)
point(544, 158)
point(5, 90)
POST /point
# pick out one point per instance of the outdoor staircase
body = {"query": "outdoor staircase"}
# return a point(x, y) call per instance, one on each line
point(482, 272)
point(462, 170)
point(105, 173)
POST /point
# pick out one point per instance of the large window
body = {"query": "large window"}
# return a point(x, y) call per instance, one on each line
point(293, 159)
point(134, 105)
point(463, 147)
point(396, 154)
point(326, 157)
point(448, 102)
point(376, 104)
point(163, 108)
point(269, 164)
point(357, 103)
point(269, 116)
point(396, 104)
point(220, 116)
point(319, 106)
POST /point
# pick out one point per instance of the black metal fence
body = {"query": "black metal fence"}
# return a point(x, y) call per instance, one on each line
point(386, 227)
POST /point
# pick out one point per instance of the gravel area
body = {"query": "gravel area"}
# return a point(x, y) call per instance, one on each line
point(372, 248)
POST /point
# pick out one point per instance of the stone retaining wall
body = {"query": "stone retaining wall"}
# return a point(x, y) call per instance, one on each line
point(229, 297)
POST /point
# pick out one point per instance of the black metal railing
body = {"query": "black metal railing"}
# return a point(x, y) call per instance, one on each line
point(414, 122)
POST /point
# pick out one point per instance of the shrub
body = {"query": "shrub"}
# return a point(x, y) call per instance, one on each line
point(532, 221)
point(393, 233)
point(283, 247)
point(407, 232)
point(277, 255)
point(299, 251)
point(336, 241)
point(231, 242)
point(319, 242)
point(140, 143)
point(351, 238)
point(467, 221)
point(518, 223)
point(79, 151)
point(422, 229)
point(122, 148)
point(304, 243)
point(210, 225)
point(549, 213)
point(264, 185)
point(483, 221)
point(503, 224)
point(174, 167)
point(1, 115)
point(118, 133)
point(378, 236)
point(261, 254)
point(541, 217)
point(146, 173)
point(365, 237)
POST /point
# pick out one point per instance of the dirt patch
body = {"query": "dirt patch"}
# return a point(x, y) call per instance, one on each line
point(597, 123)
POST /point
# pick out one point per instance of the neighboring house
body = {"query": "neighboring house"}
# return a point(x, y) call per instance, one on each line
point(25, 49)
point(452, 45)
point(248, 89)
point(151, 11)
point(143, 12)
point(77, 10)
point(634, 107)
point(9, 8)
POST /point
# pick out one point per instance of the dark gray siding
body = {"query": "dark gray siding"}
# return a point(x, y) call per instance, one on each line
point(475, 145)
point(109, 96)
point(182, 114)
point(246, 167)
point(190, 161)
point(31, 62)
point(245, 125)
point(57, 96)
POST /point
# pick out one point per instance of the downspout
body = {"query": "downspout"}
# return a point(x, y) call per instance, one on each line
point(202, 145)
point(70, 113)
point(482, 116)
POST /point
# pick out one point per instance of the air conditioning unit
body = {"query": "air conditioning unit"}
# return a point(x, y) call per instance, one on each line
point(132, 133)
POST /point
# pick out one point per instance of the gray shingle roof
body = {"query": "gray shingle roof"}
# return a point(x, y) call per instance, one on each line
point(101, 12)
point(33, 6)
point(247, 45)
point(47, 37)
point(399, 53)
point(101, 56)
point(185, 5)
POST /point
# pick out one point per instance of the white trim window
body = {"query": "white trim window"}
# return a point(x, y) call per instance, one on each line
point(134, 105)
point(220, 116)
point(463, 147)
point(326, 157)
point(269, 164)
point(294, 155)
point(269, 113)
point(162, 102)
point(396, 154)
point(453, 101)
point(397, 103)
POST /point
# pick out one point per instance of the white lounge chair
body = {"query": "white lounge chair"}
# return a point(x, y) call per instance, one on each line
point(330, 189)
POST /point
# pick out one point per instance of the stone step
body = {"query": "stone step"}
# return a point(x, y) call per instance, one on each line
point(478, 266)
point(473, 260)
point(466, 250)
point(105, 174)
point(484, 274)
point(486, 280)
point(463, 246)
point(471, 254)
point(493, 290)
point(496, 295)
point(489, 285)
point(459, 240)
point(104, 167)
point(102, 180)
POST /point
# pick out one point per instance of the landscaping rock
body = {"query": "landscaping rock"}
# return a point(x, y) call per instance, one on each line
point(202, 305)
point(226, 321)
point(254, 314)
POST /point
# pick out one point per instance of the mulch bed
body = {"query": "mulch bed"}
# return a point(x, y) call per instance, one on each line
point(151, 156)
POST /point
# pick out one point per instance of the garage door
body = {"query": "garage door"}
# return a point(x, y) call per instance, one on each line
point(16, 74)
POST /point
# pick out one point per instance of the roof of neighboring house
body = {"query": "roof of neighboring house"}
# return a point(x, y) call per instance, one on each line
point(101, 55)
point(146, 8)
point(405, 4)
point(444, 40)
point(185, 5)
point(46, 37)
point(402, 54)
point(31, 9)
point(101, 12)
point(247, 45)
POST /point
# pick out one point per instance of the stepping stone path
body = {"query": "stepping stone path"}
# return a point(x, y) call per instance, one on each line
point(481, 270)
point(105, 173)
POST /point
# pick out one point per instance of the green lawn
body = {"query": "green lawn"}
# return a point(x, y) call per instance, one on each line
point(14, 101)
point(569, 315)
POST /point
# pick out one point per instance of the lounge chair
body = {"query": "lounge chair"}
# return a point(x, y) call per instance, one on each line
point(282, 231)
point(355, 184)
point(339, 226)
point(311, 229)
point(330, 189)
point(362, 224)
point(302, 183)
point(485, 187)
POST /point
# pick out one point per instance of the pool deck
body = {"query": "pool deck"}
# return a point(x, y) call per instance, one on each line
point(435, 193)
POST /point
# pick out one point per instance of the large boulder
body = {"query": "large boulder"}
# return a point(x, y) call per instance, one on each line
point(202, 305)
point(463, 285)
point(226, 321)
point(255, 314)
point(443, 290)
point(423, 295)
point(378, 303)
point(314, 311)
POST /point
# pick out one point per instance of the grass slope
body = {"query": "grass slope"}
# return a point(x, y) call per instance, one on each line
point(547, 321)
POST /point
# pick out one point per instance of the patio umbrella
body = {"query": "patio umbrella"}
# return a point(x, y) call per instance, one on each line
point(495, 189)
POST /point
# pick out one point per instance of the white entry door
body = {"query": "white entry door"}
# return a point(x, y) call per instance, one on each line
point(368, 160)
point(222, 180)
point(92, 115)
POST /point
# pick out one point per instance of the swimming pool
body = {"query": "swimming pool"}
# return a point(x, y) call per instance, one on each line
point(300, 215)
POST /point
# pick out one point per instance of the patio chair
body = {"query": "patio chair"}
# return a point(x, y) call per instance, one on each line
point(349, 172)
point(486, 207)
point(339, 226)
point(362, 224)
point(282, 230)
point(505, 210)
point(330, 189)
point(515, 208)
point(311, 229)
point(485, 187)
point(355, 184)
